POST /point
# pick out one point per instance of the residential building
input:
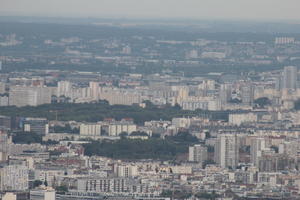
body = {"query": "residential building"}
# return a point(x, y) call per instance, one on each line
point(14, 178)
point(198, 153)
point(227, 150)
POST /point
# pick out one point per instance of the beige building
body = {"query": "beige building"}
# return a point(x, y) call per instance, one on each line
point(107, 128)
point(9, 196)
point(91, 129)
point(120, 97)
point(94, 88)
point(29, 96)
point(227, 150)
point(198, 153)
point(238, 119)
point(127, 171)
point(42, 193)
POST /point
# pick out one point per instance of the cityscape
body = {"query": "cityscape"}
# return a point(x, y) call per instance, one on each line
point(136, 109)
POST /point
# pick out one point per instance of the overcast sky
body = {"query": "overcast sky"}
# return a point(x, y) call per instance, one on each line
point(198, 9)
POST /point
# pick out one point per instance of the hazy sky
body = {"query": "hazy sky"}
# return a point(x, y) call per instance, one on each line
point(200, 9)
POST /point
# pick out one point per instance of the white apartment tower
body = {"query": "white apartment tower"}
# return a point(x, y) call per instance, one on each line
point(247, 93)
point(226, 150)
point(290, 77)
point(64, 88)
point(198, 153)
point(225, 93)
point(94, 87)
point(258, 145)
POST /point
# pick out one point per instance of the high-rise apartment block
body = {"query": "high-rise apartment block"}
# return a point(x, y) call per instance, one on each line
point(227, 151)
point(247, 94)
point(290, 77)
point(198, 153)
point(258, 145)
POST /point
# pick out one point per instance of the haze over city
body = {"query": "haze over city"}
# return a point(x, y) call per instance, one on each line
point(189, 9)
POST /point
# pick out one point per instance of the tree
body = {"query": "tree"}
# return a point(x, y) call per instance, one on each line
point(94, 112)
point(61, 189)
point(37, 183)
point(138, 133)
point(262, 102)
point(184, 137)
point(205, 195)
point(50, 142)
point(207, 135)
point(275, 148)
point(123, 135)
point(177, 106)
point(155, 135)
point(153, 148)
point(65, 129)
point(26, 138)
point(166, 193)
point(208, 162)
point(177, 194)
point(236, 101)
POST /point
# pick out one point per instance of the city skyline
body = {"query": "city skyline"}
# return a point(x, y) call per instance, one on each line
point(138, 109)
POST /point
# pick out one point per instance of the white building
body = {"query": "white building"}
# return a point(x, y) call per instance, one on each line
point(213, 55)
point(4, 100)
point(258, 145)
point(116, 128)
point(238, 119)
point(203, 104)
point(284, 40)
point(94, 87)
point(198, 153)
point(267, 178)
point(247, 94)
point(225, 93)
point(290, 148)
point(64, 88)
point(227, 150)
point(120, 96)
point(91, 129)
point(113, 128)
point(9, 196)
point(2, 87)
point(48, 175)
point(127, 171)
point(181, 122)
point(181, 169)
point(115, 185)
point(290, 77)
point(14, 177)
point(42, 193)
point(29, 96)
